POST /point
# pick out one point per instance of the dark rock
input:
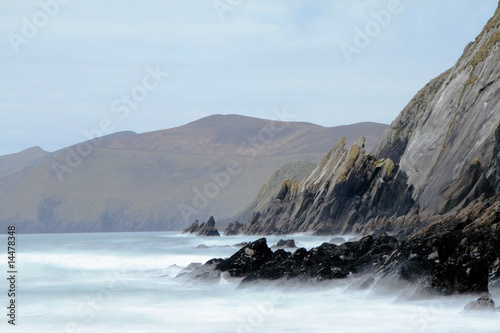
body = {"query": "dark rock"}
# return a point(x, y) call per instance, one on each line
point(288, 243)
point(256, 261)
point(208, 228)
point(241, 244)
point(248, 259)
point(414, 269)
point(233, 229)
point(193, 228)
point(483, 303)
point(456, 254)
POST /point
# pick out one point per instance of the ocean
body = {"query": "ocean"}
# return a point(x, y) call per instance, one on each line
point(126, 282)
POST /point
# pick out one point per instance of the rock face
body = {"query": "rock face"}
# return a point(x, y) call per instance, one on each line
point(205, 229)
point(439, 155)
point(346, 190)
point(458, 254)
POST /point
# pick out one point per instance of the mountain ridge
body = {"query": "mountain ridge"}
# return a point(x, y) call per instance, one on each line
point(115, 187)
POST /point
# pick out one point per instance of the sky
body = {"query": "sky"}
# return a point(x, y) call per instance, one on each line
point(74, 69)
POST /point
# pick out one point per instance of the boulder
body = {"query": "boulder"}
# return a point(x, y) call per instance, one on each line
point(483, 303)
point(288, 243)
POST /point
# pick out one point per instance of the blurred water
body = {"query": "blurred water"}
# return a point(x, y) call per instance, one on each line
point(125, 282)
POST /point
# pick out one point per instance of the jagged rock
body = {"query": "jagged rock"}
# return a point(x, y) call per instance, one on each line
point(457, 254)
point(208, 228)
point(233, 229)
point(339, 196)
point(256, 261)
point(288, 243)
point(193, 228)
point(248, 259)
point(483, 303)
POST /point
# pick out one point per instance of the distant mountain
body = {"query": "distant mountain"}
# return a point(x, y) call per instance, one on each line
point(161, 180)
point(15, 162)
point(229, 135)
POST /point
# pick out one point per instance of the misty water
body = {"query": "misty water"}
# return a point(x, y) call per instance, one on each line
point(125, 282)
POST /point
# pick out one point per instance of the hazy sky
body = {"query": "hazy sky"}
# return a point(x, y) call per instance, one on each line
point(78, 65)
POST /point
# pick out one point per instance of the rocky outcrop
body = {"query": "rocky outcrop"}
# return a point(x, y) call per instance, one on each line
point(248, 259)
point(457, 254)
point(208, 228)
point(483, 303)
point(348, 189)
point(233, 229)
point(440, 154)
point(285, 243)
point(205, 229)
point(255, 261)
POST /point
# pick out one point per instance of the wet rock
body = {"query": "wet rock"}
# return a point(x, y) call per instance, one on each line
point(248, 259)
point(483, 303)
point(255, 261)
point(456, 254)
point(285, 243)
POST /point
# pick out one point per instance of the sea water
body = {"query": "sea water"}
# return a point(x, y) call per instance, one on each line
point(126, 282)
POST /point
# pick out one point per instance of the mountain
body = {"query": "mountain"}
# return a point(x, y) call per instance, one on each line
point(441, 154)
point(229, 135)
point(15, 162)
point(161, 180)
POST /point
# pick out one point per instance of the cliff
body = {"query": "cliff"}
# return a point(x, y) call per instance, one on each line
point(439, 155)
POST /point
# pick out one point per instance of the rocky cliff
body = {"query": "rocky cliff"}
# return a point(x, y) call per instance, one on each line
point(440, 154)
